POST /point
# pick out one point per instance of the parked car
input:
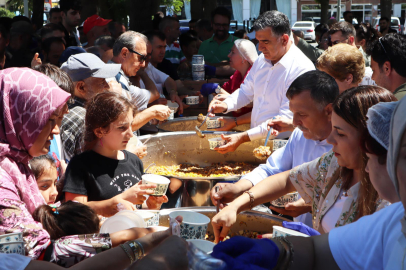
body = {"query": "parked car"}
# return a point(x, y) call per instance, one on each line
point(308, 29)
point(394, 22)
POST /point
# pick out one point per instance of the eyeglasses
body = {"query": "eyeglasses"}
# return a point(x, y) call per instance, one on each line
point(380, 42)
point(143, 57)
point(224, 25)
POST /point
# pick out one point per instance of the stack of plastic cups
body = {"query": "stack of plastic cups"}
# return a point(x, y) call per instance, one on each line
point(198, 68)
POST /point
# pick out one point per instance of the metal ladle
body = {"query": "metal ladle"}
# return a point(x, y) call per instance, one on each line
point(198, 131)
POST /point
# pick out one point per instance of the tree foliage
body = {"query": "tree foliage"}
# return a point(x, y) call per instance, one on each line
point(6, 13)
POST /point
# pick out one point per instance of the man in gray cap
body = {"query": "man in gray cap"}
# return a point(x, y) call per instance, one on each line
point(18, 48)
point(89, 74)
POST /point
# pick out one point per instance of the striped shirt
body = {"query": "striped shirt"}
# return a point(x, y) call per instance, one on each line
point(174, 53)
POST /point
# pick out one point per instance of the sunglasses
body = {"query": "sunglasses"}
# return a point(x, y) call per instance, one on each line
point(380, 42)
point(330, 43)
point(143, 57)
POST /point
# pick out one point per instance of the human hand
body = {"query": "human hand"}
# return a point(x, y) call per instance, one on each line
point(175, 98)
point(115, 87)
point(210, 70)
point(155, 202)
point(135, 194)
point(232, 143)
point(227, 193)
point(281, 124)
point(36, 61)
point(161, 112)
point(293, 209)
point(208, 88)
point(118, 204)
point(217, 107)
point(140, 151)
point(244, 253)
point(223, 221)
point(228, 125)
point(171, 254)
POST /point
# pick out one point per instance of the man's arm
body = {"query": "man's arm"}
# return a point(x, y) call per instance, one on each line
point(160, 112)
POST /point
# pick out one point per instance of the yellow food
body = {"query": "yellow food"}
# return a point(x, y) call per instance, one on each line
point(262, 152)
point(194, 170)
point(200, 118)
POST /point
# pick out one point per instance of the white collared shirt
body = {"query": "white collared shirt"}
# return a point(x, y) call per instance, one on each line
point(157, 76)
point(266, 87)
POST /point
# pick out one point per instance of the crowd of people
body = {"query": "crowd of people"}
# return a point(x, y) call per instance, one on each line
point(73, 96)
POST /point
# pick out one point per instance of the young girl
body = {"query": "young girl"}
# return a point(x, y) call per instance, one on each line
point(45, 171)
point(70, 218)
point(107, 174)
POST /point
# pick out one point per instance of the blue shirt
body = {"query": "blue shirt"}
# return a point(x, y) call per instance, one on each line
point(297, 151)
point(372, 242)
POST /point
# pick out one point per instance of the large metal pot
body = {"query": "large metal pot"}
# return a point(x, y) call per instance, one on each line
point(189, 123)
point(253, 221)
point(186, 147)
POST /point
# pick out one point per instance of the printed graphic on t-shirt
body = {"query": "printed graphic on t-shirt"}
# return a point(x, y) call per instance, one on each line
point(124, 181)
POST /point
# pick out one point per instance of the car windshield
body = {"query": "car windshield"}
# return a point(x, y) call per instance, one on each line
point(394, 22)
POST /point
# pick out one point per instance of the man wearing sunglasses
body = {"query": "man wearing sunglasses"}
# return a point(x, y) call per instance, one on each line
point(130, 50)
point(342, 32)
point(388, 58)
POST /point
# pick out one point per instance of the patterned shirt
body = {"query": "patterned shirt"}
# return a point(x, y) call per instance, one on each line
point(72, 128)
point(174, 54)
point(319, 183)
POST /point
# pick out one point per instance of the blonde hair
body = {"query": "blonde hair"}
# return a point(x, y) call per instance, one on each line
point(341, 60)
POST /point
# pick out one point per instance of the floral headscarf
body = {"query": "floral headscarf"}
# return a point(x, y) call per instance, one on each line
point(27, 100)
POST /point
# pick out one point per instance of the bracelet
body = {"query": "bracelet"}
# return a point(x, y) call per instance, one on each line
point(128, 253)
point(235, 120)
point(287, 260)
point(251, 198)
point(137, 249)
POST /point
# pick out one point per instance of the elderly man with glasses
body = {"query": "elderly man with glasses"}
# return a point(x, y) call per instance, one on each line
point(130, 50)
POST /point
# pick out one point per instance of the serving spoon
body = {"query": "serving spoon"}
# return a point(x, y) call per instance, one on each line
point(198, 131)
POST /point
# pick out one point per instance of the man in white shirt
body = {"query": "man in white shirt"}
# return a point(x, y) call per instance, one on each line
point(311, 96)
point(276, 68)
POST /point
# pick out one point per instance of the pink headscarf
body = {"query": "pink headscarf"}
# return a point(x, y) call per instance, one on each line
point(27, 100)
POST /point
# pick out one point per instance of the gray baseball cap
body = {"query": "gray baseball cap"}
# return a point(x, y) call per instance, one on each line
point(85, 65)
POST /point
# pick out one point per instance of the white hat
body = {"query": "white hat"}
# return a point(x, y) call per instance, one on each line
point(247, 50)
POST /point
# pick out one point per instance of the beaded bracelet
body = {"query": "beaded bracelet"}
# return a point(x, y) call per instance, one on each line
point(235, 120)
point(251, 198)
point(137, 249)
point(128, 253)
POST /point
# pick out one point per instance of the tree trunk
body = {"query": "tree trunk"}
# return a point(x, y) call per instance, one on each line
point(324, 16)
point(209, 6)
point(38, 13)
point(89, 8)
point(386, 9)
point(196, 9)
point(141, 14)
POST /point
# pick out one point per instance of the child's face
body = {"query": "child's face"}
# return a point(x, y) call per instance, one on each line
point(120, 132)
point(47, 184)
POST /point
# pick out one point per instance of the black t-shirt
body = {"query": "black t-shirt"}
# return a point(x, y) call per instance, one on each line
point(168, 68)
point(100, 177)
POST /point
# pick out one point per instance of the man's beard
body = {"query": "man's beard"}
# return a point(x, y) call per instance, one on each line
point(221, 34)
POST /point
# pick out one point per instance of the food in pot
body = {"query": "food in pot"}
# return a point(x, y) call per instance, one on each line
point(262, 152)
point(200, 118)
point(246, 233)
point(194, 170)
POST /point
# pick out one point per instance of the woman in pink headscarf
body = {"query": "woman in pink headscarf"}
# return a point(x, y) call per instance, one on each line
point(30, 103)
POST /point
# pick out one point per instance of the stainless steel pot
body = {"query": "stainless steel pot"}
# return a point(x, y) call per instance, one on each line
point(171, 148)
point(253, 221)
point(189, 123)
